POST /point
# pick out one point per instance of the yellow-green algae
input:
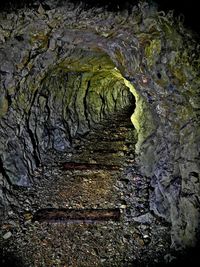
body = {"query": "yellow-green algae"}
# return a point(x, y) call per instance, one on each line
point(98, 67)
point(152, 51)
point(142, 117)
point(3, 105)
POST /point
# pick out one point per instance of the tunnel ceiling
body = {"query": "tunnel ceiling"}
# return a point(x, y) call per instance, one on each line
point(101, 53)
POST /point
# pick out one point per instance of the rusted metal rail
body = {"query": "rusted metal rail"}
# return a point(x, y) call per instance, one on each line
point(51, 215)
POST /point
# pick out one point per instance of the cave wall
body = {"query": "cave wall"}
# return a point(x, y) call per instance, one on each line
point(154, 55)
point(70, 104)
point(67, 104)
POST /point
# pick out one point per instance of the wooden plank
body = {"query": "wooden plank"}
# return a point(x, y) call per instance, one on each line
point(53, 215)
point(89, 166)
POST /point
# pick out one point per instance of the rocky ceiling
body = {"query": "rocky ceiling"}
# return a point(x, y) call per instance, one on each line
point(65, 68)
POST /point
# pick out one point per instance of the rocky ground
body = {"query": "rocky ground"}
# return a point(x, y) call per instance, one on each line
point(137, 239)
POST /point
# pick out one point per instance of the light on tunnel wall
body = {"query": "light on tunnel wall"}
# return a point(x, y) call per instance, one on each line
point(141, 118)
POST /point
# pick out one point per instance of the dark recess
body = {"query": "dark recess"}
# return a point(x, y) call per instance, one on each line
point(189, 9)
point(3, 171)
point(10, 260)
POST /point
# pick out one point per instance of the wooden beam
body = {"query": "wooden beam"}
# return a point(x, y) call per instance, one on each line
point(89, 166)
point(53, 215)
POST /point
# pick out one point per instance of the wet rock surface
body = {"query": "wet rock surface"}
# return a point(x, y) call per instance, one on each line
point(137, 239)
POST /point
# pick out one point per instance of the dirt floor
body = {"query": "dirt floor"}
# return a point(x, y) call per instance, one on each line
point(104, 176)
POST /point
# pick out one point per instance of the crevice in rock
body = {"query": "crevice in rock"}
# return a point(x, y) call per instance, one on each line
point(85, 104)
point(9, 99)
point(3, 171)
point(103, 106)
point(35, 144)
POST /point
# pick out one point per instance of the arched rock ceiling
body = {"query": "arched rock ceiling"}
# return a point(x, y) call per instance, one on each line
point(154, 56)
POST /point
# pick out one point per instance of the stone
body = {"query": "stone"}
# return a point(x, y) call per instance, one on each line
point(144, 219)
point(41, 10)
point(7, 235)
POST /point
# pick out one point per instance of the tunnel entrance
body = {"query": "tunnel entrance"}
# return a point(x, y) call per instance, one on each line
point(74, 96)
point(93, 163)
point(71, 103)
point(88, 190)
point(89, 134)
point(82, 125)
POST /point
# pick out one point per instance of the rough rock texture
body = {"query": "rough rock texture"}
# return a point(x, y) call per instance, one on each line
point(85, 51)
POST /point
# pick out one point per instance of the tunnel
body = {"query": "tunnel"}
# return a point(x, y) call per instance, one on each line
point(99, 136)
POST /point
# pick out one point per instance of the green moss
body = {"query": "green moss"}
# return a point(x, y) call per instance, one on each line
point(3, 105)
point(181, 65)
point(176, 66)
point(179, 74)
point(105, 81)
point(22, 102)
point(119, 56)
point(41, 39)
point(87, 61)
point(152, 52)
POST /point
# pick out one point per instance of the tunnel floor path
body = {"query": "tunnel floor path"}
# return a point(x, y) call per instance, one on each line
point(98, 172)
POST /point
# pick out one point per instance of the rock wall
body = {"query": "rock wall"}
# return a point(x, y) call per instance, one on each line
point(43, 50)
